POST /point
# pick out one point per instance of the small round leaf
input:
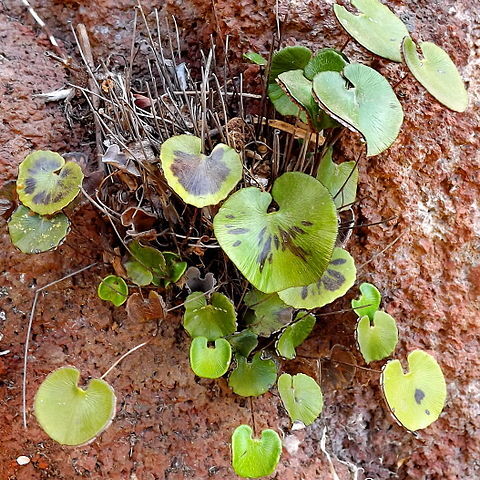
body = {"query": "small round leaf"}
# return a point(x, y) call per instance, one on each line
point(151, 258)
point(368, 302)
point(138, 274)
point(113, 289)
point(208, 362)
point(255, 58)
point(294, 335)
point(244, 342)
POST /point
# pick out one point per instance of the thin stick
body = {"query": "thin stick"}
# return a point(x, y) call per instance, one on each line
point(252, 412)
point(29, 330)
point(381, 252)
point(124, 356)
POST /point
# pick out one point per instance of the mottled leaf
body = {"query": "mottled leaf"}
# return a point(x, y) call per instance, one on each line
point(210, 362)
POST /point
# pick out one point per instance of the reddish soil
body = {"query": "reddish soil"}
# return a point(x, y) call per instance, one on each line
point(171, 426)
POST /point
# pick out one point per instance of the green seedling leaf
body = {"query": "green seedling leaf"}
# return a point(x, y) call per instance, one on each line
point(113, 289)
point(254, 458)
point(250, 379)
point(337, 279)
point(32, 233)
point(46, 184)
point(244, 342)
point(280, 100)
point(325, 60)
point(379, 340)
point(255, 58)
point(341, 180)
point(285, 248)
point(198, 179)
point(174, 266)
point(294, 335)
point(366, 104)
point(301, 396)
point(377, 28)
point(416, 398)
point(69, 414)
point(151, 258)
point(210, 362)
point(211, 321)
point(437, 73)
point(368, 302)
point(137, 273)
point(270, 313)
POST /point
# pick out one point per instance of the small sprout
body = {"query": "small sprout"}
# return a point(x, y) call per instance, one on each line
point(141, 309)
point(340, 180)
point(301, 396)
point(270, 313)
point(113, 289)
point(255, 58)
point(339, 369)
point(379, 340)
point(69, 414)
point(294, 335)
point(46, 184)
point(150, 258)
point(416, 398)
point(251, 379)
point(368, 302)
point(198, 179)
point(209, 362)
point(211, 321)
point(254, 458)
point(337, 279)
point(377, 28)
point(366, 104)
point(243, 342)
point(286, 248)
point(33, 233)
point(437, 73)
point(137, 273)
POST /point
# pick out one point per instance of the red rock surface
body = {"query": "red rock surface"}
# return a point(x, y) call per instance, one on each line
point(169, 426)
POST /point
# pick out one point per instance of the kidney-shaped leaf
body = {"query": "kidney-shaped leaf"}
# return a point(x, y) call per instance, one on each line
point(210, 362)
point(32, 233)
point(250, 379)
point(69, 414)
point(301, 396)
point(113, 289)
point(379, 340)
point(368, 302)
point(199, 179)
point(254, 458)
point(416, 398)
point(46, 184)
point(437, 73)
point(377, 28)
point(285, 248)
point(294, 335)
point(334, 283)
point(368, 104)
point(211, 321)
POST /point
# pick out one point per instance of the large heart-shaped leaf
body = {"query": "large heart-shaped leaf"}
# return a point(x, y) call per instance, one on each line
point(368, 302)
point(294, 335)
point(437, 73)
point(210, 362)
point(211, 321)
point(46, 184)
point(379, 340)
point(337, 279)
point(254, 458)
point(250, 379)
point(279, 249)
point(113, 289)
point(199, 179)
point(377, 28)
point(416, 398)
point(69, 414)
point(301, 396)
point(33, 233)
point(366, 103)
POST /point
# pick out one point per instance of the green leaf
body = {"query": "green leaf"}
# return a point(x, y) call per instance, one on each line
point(208, 362)
point(113, 289)
point(69, 414)
point(174, 266)
point(244, 342)
point(211, 321)
point(270, 313)
point(337, 279)
point(294, 335)
point(368, 302)
point(285, 248)
point(46, 184)
point(255, 58)
point(151, 258)
point(437, 73)
point(379, 340)
point(339, 179)
point(301, 396)
point(368, 104)
point(137, 273)
point(416, 398)
point(377, 28)
point(32, 233)
point(254, 458)
point(198, 179)
point(325, 60)
point(250, 379)
point(282, 103)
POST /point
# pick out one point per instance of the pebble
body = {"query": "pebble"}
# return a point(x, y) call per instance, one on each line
point(23, 460)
